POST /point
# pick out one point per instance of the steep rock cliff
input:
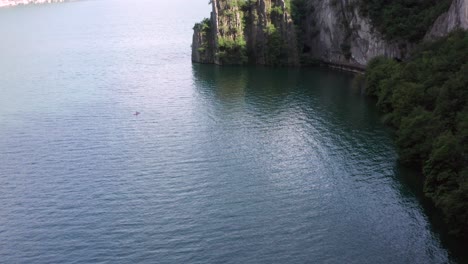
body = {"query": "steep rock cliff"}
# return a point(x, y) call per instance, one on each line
point(456, 17)
point(271, 34)
point(203, 42)
point(259, 32)
point(332, 31)
point(336, 33)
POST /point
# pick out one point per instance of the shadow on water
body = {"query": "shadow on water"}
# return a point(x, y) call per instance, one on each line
point(412, 183)
point(267, 92)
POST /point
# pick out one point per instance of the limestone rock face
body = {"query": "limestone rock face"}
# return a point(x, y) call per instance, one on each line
point(455, 18)
point(336, 33)
point(202, 45)
point(332, 31)
point(268, 22)
point(260, 32)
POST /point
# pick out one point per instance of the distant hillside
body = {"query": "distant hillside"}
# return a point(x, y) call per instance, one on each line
point(5, 3)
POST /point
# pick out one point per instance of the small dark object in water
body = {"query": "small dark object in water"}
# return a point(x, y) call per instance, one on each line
point(136, 113)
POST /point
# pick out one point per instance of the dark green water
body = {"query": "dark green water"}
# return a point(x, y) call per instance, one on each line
point(224, 165)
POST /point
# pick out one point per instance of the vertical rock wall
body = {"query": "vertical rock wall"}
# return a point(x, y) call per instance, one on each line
point(260, 32)
point(455, 18)
point(202, 43)
point(271, 34)
point(263, 32)
point(336, 33)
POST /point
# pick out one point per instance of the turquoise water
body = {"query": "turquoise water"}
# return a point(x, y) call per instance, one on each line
point(223, 165)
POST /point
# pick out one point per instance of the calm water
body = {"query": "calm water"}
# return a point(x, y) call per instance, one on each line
point(224, 165)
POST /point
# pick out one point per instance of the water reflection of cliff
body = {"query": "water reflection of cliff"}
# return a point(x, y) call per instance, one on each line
point(229, 83)
point(254, 87)
point(273, 90)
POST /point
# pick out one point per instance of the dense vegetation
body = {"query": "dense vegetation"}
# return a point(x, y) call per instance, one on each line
point(232, 51)
point(403, 19)
point(425, 99)
point(277, 48)
point(232, 46)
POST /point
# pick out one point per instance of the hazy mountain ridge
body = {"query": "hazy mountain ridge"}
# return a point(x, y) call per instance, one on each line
point(5, 3)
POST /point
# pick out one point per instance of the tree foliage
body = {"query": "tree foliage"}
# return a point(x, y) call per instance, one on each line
point(403, 19)
point(425, 99)
point(232, 51)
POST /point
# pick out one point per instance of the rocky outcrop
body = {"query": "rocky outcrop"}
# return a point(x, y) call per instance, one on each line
point(5, 3)
point(334, 32)
point(202, 43)
point(227, 38)
point(271, 34)
point(455, 18)
point(260, 32)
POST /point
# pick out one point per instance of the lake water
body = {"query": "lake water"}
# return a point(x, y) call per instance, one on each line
point(223, 165)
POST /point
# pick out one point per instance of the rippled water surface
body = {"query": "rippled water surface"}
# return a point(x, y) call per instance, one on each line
point(224, 165)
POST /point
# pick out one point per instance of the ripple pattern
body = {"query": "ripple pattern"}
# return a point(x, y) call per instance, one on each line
point(224, 165)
